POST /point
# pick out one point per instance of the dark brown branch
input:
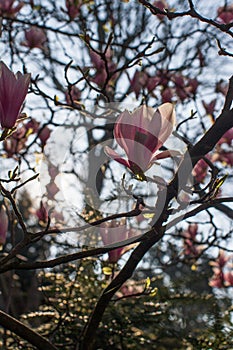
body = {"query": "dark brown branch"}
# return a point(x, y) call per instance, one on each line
point(191, 12)
point(24, 332)
point(30, 238)
point(216, 203)
point(70, 257)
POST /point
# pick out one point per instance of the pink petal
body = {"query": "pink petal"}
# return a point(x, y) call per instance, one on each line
point(115, 156)
point(168, 119)
point(165, 154)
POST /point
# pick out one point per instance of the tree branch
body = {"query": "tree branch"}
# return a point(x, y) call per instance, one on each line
point(24, 332)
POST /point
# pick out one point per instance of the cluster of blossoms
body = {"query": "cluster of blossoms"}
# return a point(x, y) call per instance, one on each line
point(172, 86)
point(223, 274)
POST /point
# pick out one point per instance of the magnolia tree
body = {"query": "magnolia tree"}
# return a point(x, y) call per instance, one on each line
point(116, 174)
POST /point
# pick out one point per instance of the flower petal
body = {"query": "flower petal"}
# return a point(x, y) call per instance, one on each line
point(165, 154)
point(115, 156)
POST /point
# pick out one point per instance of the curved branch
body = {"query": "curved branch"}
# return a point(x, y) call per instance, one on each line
point(24, 332)
point(191, 12)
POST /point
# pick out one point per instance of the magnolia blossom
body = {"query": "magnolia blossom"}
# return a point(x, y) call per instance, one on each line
point(7, 8)
point(42, 213)
point(73, 96)
point(34, 37)
point(15, 143)
point(3, 225)
point(131, 287)
point(220, 262)
point(138, 82)
point(142, 79)
point(227, 138)
point(73, 8)
point(225, 14)
point(221, 279)
point(115, 232)
point(228, 278)
point(13, 90)
point(141, 134)
point(166, 95)
point(52, 189)
point(217, 280)
point(44, 135)
point(101, 74)
point(209, 107)
point(162, 5)
point(200, 170)
point(191, 248)
point(185, 87)
point(223, 157)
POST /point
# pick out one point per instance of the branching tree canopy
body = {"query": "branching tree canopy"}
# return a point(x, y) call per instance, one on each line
point(116, 174)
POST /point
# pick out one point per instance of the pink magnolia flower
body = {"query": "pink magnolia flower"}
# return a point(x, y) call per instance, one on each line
point(131, 287)
point(161, 4)
point(7, 8)
point(53, 171)
point(13, 90)
point(221, 279)
point(32, 126)
point(15, 143)
point(44, 135)
point(225, 14)
point(52, 190)
point(189, 235)
point(138, 82)
point(185, 87)
point(217, 280)
point(34, 37)
point(114, 232)
point(228, 277)
point(221, 87)
point(101, 75)
point(223, 157)
point(73, 8)
point(200, 170)
point(152, 82)
point(221, 261)
point(166, 95)
point(192, 85)
point(3, 225)
point(141, 134)
point(73, 96)
point(142, 80)
point(227, 138)
point(210, 107)
point(42, 213)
